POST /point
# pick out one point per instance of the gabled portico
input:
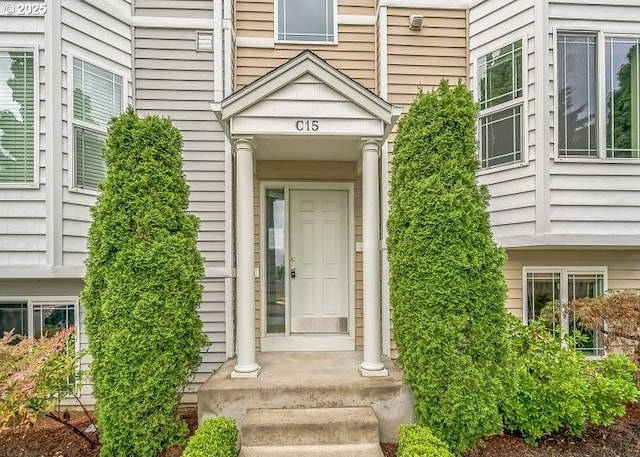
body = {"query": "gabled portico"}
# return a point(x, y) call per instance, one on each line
point(307, 112)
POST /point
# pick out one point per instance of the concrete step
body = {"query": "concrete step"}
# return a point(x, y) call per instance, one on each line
point(311, 450)
point(309, 426)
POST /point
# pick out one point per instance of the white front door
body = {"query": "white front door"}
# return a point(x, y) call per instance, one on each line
point(318, 261)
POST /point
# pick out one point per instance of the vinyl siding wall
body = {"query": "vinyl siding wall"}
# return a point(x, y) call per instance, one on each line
point(173, 79)
point(354, 54)
point(23, 210)
point(420, 59)
point(623, 268)
point(493, 24)
point(593, 196)
point(102, 39)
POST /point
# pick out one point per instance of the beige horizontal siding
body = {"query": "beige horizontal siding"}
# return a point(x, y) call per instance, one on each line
point(354, 54)
point(623, 268)
point(422, 58)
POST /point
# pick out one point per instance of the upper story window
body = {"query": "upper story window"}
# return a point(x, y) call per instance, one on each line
point(306, 20)
point(97, 97)
point(548, 289)
point(17, 117)
point(501, 99)
point(589, 125)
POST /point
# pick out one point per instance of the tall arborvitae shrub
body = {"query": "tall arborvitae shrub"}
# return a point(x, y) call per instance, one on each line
point(142, 289)
point(447, 289)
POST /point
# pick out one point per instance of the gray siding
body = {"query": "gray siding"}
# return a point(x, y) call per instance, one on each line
point(172, 8)
point(493, 24)
point(23, 211)
point(175, 80)
point(104, 39)
point(593, 196)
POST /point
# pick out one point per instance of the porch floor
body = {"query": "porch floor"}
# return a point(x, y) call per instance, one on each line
point(308, 380)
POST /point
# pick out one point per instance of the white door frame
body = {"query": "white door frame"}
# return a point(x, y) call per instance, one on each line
point(288, 342)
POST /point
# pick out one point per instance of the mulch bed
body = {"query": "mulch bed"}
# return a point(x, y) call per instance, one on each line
point(50, 439)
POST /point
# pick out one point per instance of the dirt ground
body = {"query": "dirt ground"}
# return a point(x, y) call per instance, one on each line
point(50, 439)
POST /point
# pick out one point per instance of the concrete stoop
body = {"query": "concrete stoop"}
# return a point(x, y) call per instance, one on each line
point(310, 432)
point(309, 380)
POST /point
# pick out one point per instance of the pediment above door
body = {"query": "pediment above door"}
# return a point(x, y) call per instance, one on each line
point(306, 97)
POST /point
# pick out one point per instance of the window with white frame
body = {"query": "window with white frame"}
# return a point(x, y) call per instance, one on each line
point(501, 100)
point(306, 20)
point(97, 97)
point(36, 318)
point(17, 117)
point(582, 76)
point(548, 290)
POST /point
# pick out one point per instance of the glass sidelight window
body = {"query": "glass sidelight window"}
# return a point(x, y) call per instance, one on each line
point(275, 260)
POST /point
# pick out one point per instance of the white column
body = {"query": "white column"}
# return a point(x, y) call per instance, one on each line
point(245, 276)
point(372, 364)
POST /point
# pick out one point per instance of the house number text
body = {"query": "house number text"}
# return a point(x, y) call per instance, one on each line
point(307, 125)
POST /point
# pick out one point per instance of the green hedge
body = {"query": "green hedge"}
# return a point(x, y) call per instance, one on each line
point(559, 389)
point(418, 441)
point(142, 289)
point(447, 288)
point(217, 437)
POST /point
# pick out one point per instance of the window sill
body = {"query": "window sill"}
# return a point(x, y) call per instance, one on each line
point(598, 160)
point(305, 43)
point(16, 185)
point(80, 190)
point(499, 168)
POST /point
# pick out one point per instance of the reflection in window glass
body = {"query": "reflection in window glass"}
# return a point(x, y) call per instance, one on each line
point(17, 108)
point(623, 97)
point(275, 260)
point(500, 88)
point(581, 286)
point(543, 298)
point(577, 95)
point(501, 137)
point(48, 319)
point(544, 302)
point(306, 20)
point(13, 316)
point(501, 75)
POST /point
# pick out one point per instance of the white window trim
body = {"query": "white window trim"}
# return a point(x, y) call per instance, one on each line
point(30, 47)
point(564, 272)
point(71, 165)
point(318, 43)
point(47, 300)
point(521, 101)
point(601, 34)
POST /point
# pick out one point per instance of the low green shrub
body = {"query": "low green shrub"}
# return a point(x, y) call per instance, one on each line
point(216, 437)
point(419, 441)
point(559, 389)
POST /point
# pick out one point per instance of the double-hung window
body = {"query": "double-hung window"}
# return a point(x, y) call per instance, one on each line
point(598, 96)
point(501, 101)
point(547, 290)
point(97, 97)
point(36, 318)
point(306, 20)
point(17, 117)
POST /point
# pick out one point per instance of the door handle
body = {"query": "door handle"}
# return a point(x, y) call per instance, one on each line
point(293, 272)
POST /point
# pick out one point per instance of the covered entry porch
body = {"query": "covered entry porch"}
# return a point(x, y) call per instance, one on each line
point(301, 224)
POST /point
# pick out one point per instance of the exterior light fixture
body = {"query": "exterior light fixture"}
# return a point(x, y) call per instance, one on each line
point(415, 21)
